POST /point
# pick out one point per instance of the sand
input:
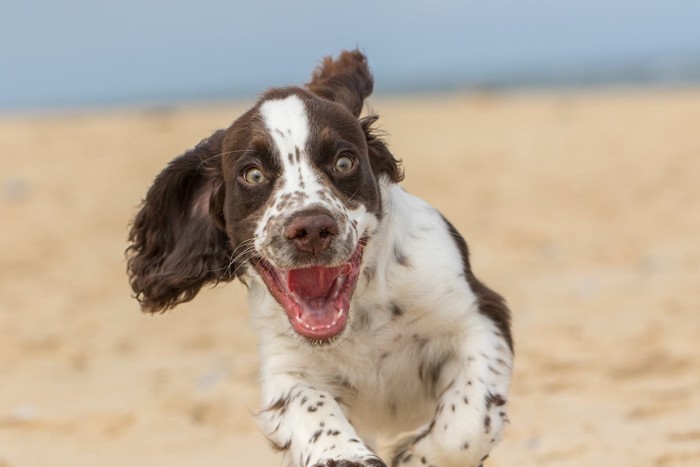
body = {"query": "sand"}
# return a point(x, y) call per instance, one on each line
point(582, 208)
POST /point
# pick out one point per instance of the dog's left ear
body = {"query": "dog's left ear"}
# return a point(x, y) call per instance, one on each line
point(346, 80)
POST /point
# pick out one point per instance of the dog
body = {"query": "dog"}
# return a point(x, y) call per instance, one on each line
point(371, 321)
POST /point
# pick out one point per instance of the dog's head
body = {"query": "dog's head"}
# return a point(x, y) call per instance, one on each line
point(289, 192)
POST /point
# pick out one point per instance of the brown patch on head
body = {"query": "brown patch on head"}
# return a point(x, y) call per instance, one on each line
point(335, 133)
point(248, 144)
point(348, 81)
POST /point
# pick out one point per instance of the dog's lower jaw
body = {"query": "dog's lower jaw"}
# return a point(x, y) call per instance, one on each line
point(315, 299)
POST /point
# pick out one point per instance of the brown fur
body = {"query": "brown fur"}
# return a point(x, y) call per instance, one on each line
point(177, 246)
point(346, 81)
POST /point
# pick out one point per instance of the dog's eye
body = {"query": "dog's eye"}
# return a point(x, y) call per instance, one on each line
point(344, 164)
point(253, 176)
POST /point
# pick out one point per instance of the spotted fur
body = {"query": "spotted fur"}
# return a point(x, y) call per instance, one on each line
point(426, 355)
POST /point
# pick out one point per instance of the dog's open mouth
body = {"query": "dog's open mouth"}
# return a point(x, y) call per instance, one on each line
point(316, 298)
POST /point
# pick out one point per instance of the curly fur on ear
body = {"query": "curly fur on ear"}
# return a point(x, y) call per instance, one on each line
point(177, 241)
point(346, 81)
point(381, 159)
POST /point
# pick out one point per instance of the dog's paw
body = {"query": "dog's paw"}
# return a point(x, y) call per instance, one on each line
point(412, 456)
point(368, 462)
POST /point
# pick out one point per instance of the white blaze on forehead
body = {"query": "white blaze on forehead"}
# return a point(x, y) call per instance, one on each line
point(288, 125)
point(287, 122)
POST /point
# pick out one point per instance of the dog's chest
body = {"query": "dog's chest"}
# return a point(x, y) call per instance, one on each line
point(389, 377)
point(406, 320)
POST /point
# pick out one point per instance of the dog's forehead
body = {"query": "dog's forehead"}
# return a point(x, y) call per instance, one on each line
point(295, 117)
point(287, 122)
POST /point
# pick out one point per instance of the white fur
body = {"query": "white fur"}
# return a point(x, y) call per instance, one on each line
point(377, 358)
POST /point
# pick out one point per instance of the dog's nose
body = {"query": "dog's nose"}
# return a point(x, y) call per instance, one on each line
point(312, 233)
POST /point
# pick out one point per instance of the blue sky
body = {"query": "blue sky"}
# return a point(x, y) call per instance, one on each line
point(80, 52)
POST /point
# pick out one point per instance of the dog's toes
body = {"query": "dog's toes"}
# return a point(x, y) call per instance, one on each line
point(373, 462)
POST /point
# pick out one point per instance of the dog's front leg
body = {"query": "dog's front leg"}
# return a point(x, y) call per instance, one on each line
point(310, 426)
point(471, 410)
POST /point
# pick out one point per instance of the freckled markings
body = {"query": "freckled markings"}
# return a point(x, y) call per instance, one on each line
point(494, 399)
point(288, 115)
point(315, 436)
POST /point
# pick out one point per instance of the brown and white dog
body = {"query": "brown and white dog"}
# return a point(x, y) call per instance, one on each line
point(362, 294)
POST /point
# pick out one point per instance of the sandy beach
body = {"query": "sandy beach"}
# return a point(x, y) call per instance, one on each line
point(581, 208)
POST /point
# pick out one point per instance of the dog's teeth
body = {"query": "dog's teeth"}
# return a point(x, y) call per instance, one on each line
point(339, 314)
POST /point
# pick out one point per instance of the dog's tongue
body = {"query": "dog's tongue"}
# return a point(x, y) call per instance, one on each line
point(314, 282)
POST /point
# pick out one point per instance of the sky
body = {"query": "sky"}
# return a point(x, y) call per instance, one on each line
point(74, 53)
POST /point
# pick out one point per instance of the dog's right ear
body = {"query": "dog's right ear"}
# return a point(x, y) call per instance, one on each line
point(178, 242)
point(346, 80)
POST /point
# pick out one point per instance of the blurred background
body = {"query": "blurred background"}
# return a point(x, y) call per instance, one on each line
point(561, 138)
point(77, 53)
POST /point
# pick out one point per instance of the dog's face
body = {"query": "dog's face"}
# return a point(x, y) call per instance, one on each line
point(289, 192)
point(310, 199)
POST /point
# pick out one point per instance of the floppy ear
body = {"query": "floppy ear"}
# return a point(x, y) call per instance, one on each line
point(346, 81)
point(178, 243)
